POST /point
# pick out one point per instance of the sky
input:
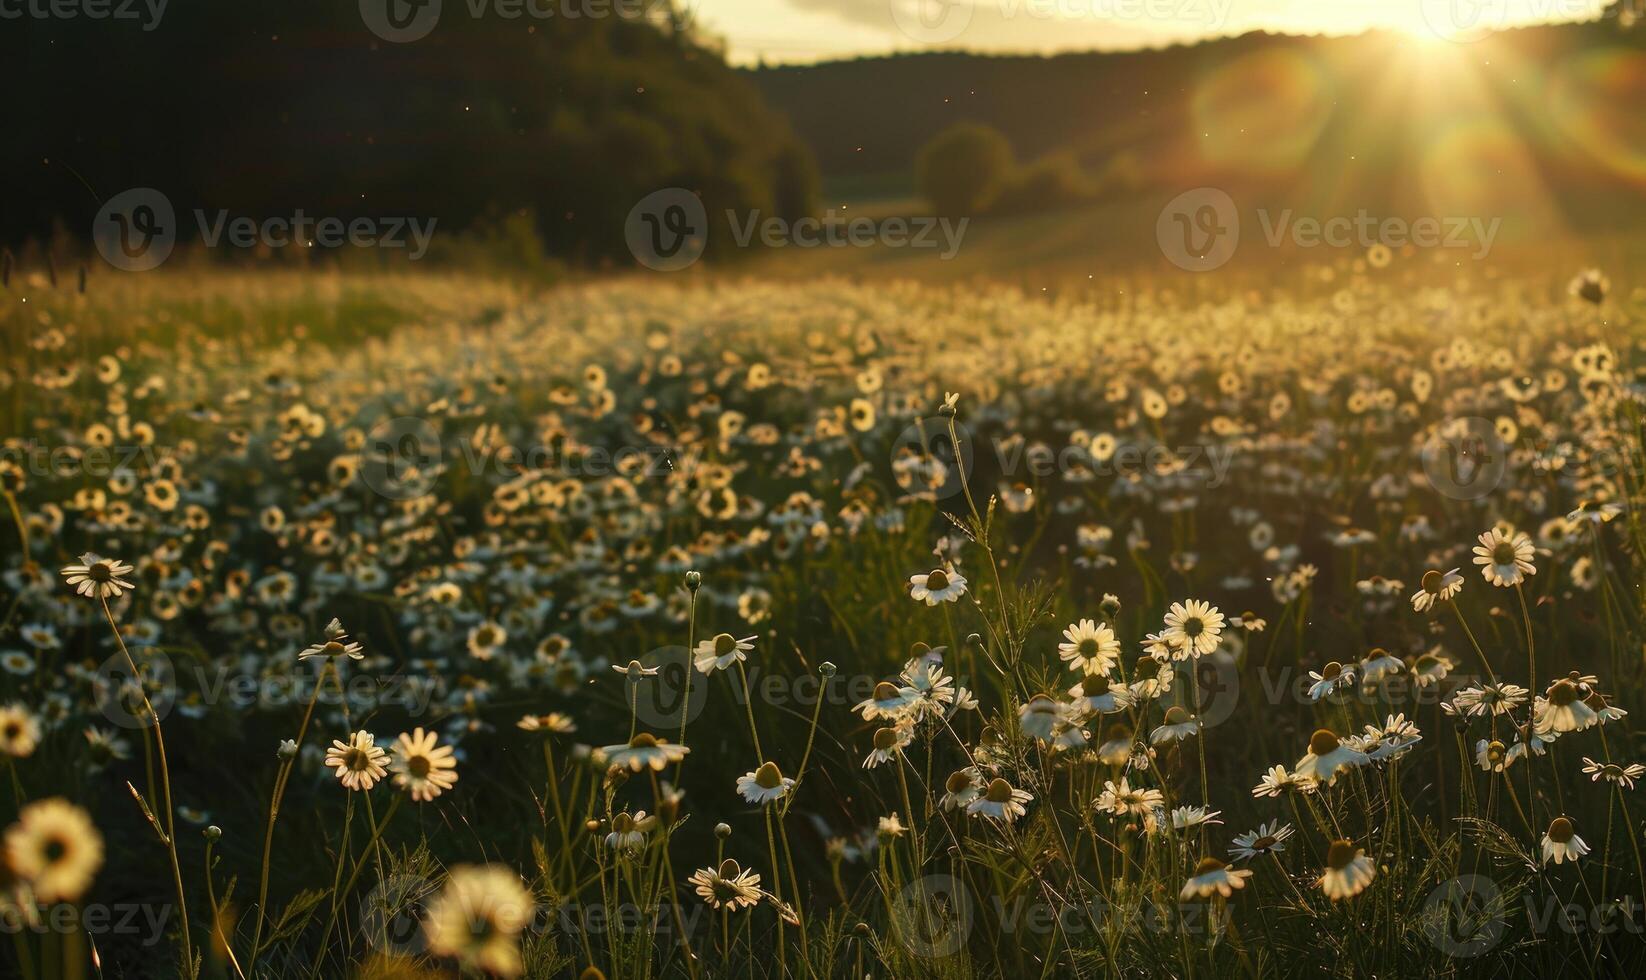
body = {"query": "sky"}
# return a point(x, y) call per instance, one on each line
point(786, 31)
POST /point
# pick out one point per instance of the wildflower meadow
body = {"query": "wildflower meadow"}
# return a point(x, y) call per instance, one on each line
point(820, 629)
point(823, 490)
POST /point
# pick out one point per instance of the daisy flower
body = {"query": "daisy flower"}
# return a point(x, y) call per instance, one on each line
point(644, 751)
point(1213, 877)
point(1152, 678)
point(1000, 802)
point(720, 652)
point(1278, 781)
point(1504, 560)
point(1178, 724)
point(1623, 776)
point(887, 743)
point(890, 828)
point(19, 731)
point(927, 688)
point(1492, 756)
point(1594, 512)
point(421, 768)
point(889, 702)
point(1187, 817)
point(962, 787)
point(1563, 709)
point(336, 644)
point(1328, 679)
point(629, 831)
point(1561, 842)
point(1348, 871)
point(554, 723)
point(55, 849)
point(1122, 799)
point(1497, 699)
point(1116, 747)
point(1090, 647)
point(726, 887)
point(1431, 668)
point(478, 917)
point(1327, 754)
point(764, 784)
point(1096, 694)
point(1266, 839)
point(1195, 626)
point(486, 639)
point(1379, 663)
point(937, 586)
point(1394, 739)
point(634, 671)
point(98, 578)
point(1605, 711)
point(1436, 587)
point(359, 762)
point(1039, 717)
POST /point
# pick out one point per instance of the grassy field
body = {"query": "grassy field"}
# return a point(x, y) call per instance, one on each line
point(899, 619)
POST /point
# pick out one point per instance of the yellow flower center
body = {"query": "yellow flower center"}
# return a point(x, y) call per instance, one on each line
point(1561, 830)
point(1341, 853)
point(768, 776)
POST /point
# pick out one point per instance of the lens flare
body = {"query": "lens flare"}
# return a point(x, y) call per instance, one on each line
point(1261, 113)
point(1594, 98)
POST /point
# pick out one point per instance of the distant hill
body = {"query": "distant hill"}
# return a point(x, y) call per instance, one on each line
point(263, 109)
point(1546, 122)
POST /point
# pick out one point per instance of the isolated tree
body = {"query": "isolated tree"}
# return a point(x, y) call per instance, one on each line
point(963, 168)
